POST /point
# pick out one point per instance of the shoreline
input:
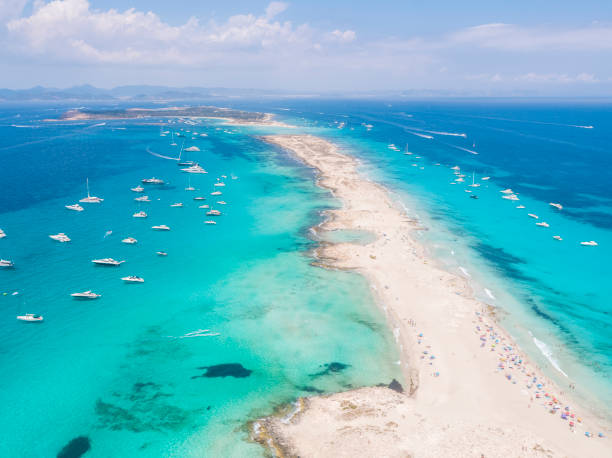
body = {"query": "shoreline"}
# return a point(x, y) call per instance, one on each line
point(467, 387)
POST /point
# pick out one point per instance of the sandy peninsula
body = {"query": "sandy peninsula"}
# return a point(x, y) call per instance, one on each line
point(467, 389)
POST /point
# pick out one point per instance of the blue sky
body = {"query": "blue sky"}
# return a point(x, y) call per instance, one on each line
point(494, 47)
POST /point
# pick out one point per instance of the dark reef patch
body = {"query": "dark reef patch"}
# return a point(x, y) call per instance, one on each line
point(331, 368)
point(310, 389)
point(75, 448)
point(396, 386)
point(224, 370)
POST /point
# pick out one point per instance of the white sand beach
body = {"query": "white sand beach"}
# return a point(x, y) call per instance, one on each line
point(467, 389)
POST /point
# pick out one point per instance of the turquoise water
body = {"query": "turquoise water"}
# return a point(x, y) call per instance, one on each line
point(116, 369)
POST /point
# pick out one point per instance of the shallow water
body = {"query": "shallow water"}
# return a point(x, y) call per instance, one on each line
point(233, 322)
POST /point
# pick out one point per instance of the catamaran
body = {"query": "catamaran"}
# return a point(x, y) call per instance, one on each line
point(6, 263)
point(90, 199)
point(86, 295)
point(75, 207)
point(61, 237)
point(107, 262)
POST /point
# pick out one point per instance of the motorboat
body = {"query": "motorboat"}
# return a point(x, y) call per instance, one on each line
point(190, 188)
point(90, 199)
point(178, 204)
point(220, 184)
point(61, 237)
point(210, 222)
point(137, 189)
point(533, 216)
point(142, 199)
point(30, 317)
point(507, 191)
point(589, 243)
point(129, 241)
point(557, 237)
point(186, 163)
point(140, 214)
point(204, 206)
point(152, 181)
point(86, 295)
point(162, 253)
point(520, 206)
point(107, 262)
point(2, 234)
point(543, 224)
point(199, 198)
point(222, 202)
point(485, 178)
point(213, 212)
point(6, 263)
point(557, 206)
point(161, 227)
point(133, 279)
point(74, 207)
point(510, 197)
point(194, 169)
point(216, 193)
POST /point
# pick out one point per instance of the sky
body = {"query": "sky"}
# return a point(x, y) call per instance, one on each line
point(492, 47)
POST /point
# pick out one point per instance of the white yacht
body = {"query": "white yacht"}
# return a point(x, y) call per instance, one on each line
point(6, 263)
point(557, 237)
point(139, 214)
point(199, 198)
point(222, 202)
point(90, 199)
point(133, 279)
point(204, 206)
point(142, 199)
point(510, 197)
point(589, 243)
point(543, 224)
point(190, 188)
point(192, 149)
point(216, 193)
point(178, 204)
point(61, 237)
point(162, 253)
point(152, 181)
point(161, 227)
point(30, 317)
point(107, 262)
point(137, 189)
point(75, 207)
point(129, 240)
point(220, 184)
point(213, 212)
point(210, 222)
point(533, 216)
point(507, 191)
point(485, 178)
point(194, 169)
point(2, 234)
point(557, 206)
point(86, 295)
point(520, 206)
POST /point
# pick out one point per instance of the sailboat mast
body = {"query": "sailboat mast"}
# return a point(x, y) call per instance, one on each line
point(87, 180)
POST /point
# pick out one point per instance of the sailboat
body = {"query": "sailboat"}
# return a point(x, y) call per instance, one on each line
point(90, 199)
point(173, 143)
point(189, 187)
point(474, 185)
point(407, 152)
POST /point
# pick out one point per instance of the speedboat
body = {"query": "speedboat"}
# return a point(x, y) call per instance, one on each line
point(222, 202)
point(213, 212)
point(129, 240)
point(216, 193)
point(133, 279)
point(161, 227)
point(210, 222)
point(142, 199)
point(178, 204)
point(219, 184)
point(557, 237)
point(204, 206)
point(61, 237)
point(75, 207)
point(2, 234)
point(140, 214)
point(543, 224)
point(86, 295)
point(162, 253)
point(90, 199)
point(558, 206)
point(589, 243)
point(532, 215)
point(152, 181)
point(107, 262)
point(485, 178)
point(30, 317)
point(520, 206)
point(507, 191)
point(137, 189)
point(510, 197)
point(199, 198)
point(6, 263)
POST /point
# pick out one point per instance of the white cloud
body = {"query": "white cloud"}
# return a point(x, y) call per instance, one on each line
point(343, 37)
point(275, 8)
point(557, 78)
point(510, 37)
point(10, 9)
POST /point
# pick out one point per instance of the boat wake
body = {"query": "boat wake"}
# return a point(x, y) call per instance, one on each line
point(198, 333)
point(161, 155)
point(429, 137)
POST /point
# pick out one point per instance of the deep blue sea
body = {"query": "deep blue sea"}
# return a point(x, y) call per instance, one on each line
point(235, 321)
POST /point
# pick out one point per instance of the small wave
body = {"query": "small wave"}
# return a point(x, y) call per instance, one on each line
point(100, 124)
point(465, 272)
point(547, 352)
point(489, 293)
